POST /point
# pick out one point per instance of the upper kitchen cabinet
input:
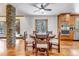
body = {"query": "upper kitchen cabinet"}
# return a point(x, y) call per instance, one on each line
point(65, 26)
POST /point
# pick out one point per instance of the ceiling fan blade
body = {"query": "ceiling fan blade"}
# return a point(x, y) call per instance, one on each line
point(42, 7)
point(48, 9)
point(36, 6)
point(46, 5)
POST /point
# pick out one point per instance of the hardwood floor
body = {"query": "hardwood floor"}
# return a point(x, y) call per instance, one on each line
point(68, 48)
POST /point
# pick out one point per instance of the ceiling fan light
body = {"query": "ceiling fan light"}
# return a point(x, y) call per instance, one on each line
point(42, 10)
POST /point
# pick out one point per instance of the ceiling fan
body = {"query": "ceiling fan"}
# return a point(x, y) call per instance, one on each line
point(42, 7)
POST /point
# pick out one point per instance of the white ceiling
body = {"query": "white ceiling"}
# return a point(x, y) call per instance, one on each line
point(3, 10)
point(28, 9)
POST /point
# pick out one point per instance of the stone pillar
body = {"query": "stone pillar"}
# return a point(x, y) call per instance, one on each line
point(10, 21)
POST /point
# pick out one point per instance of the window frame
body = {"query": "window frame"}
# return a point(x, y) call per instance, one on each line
point(41, 20)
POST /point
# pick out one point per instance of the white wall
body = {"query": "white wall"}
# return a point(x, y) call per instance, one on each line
point(52, 23)
point(76, 8)
point(2, 18)
point(27, 23)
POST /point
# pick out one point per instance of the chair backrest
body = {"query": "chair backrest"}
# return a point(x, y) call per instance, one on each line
point(34, 32)
point(42, 43)
point(42, 36)
point(49, 32)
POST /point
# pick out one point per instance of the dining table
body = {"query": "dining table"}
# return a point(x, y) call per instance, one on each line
point(50, 36)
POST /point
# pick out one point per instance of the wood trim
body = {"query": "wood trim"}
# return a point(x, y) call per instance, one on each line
point(35, 22)
point(47, 24)
point(57, 24)
point(64, 14)
point(16, 16)
point(72, 14)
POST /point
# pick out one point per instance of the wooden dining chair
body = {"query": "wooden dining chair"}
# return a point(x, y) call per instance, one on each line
point(42, 43)
point(56, 42)
point(28, 43)
point(34, 32)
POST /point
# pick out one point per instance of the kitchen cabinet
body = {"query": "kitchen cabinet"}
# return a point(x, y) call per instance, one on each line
point(65, 26)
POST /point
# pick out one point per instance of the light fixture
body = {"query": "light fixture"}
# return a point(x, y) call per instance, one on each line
point(42, 11)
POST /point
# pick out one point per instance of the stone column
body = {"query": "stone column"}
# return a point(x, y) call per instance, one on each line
point(10, 21)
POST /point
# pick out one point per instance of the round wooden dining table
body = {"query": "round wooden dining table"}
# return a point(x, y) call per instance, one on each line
point(50, 36)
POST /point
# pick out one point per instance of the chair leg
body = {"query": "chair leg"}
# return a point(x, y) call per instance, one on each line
point(47, 52)
point(25, 47)
point(33, 46)
point(36, 51)
point(50, 46)
point(33, 49)
point(58, 48)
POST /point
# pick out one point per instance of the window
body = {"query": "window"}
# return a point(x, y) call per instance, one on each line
point(2, 27)
point(41, 25)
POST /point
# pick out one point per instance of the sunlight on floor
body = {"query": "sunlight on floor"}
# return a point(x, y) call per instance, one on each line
point(2, 47)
